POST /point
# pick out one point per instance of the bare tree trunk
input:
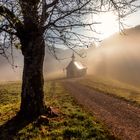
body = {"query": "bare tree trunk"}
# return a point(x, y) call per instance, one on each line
point(32, 96)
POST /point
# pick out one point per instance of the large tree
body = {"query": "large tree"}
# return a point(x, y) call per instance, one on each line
point(34, 23)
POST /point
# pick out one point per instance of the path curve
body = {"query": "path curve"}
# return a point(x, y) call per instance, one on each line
point(120, 117)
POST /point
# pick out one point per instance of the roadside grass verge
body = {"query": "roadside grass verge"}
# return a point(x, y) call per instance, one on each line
point(113, 87)
point(72, 123)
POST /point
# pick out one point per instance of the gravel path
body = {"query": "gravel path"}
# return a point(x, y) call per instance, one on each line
point(122, 118)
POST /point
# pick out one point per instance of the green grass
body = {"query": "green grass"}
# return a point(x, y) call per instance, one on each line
point(72, 122)
point(9, 100)
point(113, 87)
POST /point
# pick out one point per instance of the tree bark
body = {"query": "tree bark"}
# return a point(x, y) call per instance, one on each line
point(32, 95)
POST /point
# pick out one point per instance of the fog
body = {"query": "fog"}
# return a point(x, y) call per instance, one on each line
point(117, 57)
point(9, 74)
point(52, 68)
point(10, 71)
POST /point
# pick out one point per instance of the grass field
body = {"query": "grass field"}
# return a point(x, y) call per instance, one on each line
point(113, 87)
point(72, 122)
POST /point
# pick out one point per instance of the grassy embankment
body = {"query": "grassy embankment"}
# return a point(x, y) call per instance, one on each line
point(113, 87)
point(72, 122)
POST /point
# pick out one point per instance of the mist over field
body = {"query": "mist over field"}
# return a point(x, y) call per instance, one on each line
point(52, 67)
point(117, 57)
point(8, 72)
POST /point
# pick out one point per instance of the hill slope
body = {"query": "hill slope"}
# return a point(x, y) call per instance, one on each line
point(118, 57)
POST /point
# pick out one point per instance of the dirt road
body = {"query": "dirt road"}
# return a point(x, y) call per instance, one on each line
point(120, 117)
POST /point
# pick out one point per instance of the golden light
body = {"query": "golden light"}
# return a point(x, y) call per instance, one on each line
point(109, 24)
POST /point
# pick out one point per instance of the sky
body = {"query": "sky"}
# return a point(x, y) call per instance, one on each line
point(109, 24)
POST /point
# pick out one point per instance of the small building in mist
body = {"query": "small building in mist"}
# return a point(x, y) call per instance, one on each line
point(75, 69)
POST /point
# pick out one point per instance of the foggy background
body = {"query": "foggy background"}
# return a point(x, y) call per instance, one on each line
point(116, 57)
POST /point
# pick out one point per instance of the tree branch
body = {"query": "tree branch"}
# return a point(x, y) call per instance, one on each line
point(76, 25)
point(4, 28)
point(45, 7)
point(10, 16)
point(68, 13)
point(51, 4)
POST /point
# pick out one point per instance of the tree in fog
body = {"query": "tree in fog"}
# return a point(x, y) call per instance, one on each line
point(30, 25)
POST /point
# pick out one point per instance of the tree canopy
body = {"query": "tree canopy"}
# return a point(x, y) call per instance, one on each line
point(62, 22)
